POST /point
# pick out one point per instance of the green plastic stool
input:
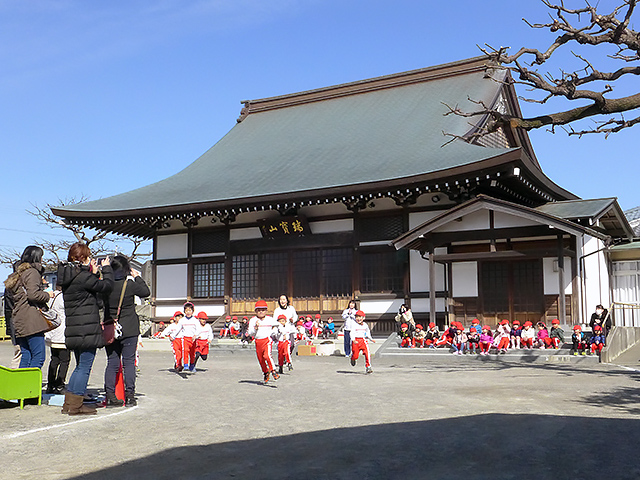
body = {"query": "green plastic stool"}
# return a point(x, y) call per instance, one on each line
point(20, 384)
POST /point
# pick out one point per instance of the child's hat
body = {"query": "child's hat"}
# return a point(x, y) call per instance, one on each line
point(404, 325)
point(431, 325)
point(516, 322)
point(504, 322)
point(176, 314)
point(330, 318)
point(309, 317)
point(161, 324)
point(202, 316)
point(597, 327)
point(419, 327)
point(188, 304)
point(528, 324)
point(282, 317)
point(577, 327)
point(475, 320)
point(261, 304)
point(245, 318)
point(360, 313)
point(228, 317)
point(486, 327)
point(318, 315)
point(234, 318)
point(555, 321)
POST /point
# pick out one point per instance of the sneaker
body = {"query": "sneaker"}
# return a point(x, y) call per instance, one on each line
point(584, 353)
point(280, 369)
point(575, 353)
point(266, 377)
point(289, 366)
point(275, 375)
point(368, 370)
point(130, 401)
point(353, 362)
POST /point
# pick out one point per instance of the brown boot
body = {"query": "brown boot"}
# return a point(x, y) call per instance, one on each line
point(65, 405)
point(76, 406)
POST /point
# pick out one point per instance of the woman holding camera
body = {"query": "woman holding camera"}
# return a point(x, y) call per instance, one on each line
point(120, 305)
point(81, 284)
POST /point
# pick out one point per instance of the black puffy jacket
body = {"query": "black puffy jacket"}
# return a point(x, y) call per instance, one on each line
point(80, 289)
point(128, 316)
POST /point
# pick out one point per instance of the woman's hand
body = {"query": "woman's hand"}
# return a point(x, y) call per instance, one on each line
point(106, 261)
point(93, 265)
point(134, 273)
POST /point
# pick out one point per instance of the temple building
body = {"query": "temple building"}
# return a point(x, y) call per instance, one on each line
point(349, 191)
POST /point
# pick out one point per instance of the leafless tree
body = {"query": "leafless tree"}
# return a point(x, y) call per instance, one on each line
point(101, 243)
point(590, 87)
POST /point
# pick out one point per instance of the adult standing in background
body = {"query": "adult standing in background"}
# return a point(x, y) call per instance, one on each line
point(8, 310)
point(81, 285)
point(285, 308)
point(349, 316)
point(128, 284)
point(28, 296)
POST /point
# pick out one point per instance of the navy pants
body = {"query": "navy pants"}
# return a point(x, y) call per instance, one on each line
point(124, 349)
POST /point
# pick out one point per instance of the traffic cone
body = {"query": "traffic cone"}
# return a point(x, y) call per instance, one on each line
point(120, 384)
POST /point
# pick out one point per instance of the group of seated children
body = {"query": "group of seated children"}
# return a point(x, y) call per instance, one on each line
point(235, 329)
point(585, 345)
point(480, 339)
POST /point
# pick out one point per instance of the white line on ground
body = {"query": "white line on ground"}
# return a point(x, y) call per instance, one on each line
point(52, 427)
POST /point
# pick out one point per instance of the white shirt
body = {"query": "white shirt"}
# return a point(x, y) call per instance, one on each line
point(204, 332)
point(360, 330)
point(264, 328)
point(349, 315)
point(289, 312)
point(285, 331)
point(187, 327)
point(170, 331)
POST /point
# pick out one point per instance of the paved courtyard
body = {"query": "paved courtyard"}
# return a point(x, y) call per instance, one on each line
point(450, 417)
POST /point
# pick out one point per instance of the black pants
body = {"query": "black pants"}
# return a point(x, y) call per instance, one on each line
point(124, 348)
point(58, 367)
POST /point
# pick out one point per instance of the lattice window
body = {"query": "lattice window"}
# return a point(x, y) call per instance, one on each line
point(379, 228)
point(245, 276)
point(213, 241)
point(337, 275)
point(208, 280)
point(306, 268)
point(383, 271)
point(274, 274)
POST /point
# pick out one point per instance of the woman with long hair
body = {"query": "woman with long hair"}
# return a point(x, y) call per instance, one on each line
point(81, 284)
point(28, 293)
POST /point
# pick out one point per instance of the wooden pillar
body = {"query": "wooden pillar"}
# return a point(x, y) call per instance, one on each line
point(432, 286)
point(562, 308)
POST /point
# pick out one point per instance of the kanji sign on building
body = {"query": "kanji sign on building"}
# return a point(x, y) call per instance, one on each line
point(284, 227)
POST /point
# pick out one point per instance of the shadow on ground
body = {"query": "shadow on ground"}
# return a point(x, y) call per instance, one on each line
point(476, 447)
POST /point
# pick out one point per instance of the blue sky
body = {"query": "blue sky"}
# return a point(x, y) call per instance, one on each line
point(98, 98)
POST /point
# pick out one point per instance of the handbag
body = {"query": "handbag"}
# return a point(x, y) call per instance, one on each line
point(112, 330)
point(49, 316)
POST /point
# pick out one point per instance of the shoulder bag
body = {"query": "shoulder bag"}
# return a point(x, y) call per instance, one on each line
point(111, 329)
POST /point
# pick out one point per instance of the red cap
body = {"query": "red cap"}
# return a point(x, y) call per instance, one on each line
point(555, 321)
point(419, 327)
point(318, 315)
point(161, 324)
point(234, 318)
point(261, 304)
point(309, 317)
point(360, 313)
point(516, 322)
point(475, 320)
point(176, 314)
point(404, 325)
point(228, 317)
point(597, 327)
point(528, 324)
point(282, 317)
point(486, 327)
point(504, 322)
point(577, 327)
point(245, 318)
point(431, 325)
point(202, 315)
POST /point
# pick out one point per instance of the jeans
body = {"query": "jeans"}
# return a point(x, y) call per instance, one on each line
point(33, 350)
point(125, 349)
point(80, 376)
point(347, 343)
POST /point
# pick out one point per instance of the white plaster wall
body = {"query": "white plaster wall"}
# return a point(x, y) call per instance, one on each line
point(421, 305)
point(171, 281)
point(245, 233)
point(381, 306)
point(504, 220)
point(551, 278)
point(171, 246)
point(595, 276)
point(212, 310)
point(474, 221)
point(419, 272)
point(465, 279)
point(330, 226)
point(418, 218)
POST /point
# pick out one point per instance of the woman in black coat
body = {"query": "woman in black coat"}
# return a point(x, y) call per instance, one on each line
point(128, 285)
point(81, 285)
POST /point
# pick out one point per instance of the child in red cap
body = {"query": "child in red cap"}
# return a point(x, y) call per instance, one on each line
point(542, 336)
point(528, 335)
point(503, 336)
point(224, 331)
point(597, 340)
point(419, 336)
point(516, 334)
point(406, 340)
point(260, 327)
point(360, 336)
point(432, 335)
point(202, 339)
point(579, 341)
point(556, 334)
point(282, 336)
point(486, 340)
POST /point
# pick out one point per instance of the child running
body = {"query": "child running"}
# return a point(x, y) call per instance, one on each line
point(360, 336)
point(186, 330)
point(202, 339)
point(171, 333)
point(260, 327)
point(282, 336)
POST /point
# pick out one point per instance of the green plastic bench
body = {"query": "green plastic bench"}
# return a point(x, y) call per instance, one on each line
point(20, 383)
